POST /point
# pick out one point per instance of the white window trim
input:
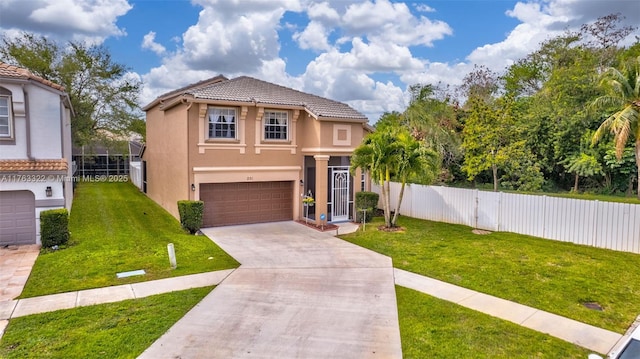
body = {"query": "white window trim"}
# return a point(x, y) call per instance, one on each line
point(9, 135)
point(235, 123)
point(264, 125)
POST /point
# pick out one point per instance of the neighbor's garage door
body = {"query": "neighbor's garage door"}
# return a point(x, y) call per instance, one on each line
point(17, 218)
point(250, 202)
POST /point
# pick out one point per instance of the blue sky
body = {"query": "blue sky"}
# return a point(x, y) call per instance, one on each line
point(365, 53)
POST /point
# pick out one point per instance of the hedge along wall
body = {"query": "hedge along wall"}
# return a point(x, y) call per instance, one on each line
point(54, 227)
point(368, 201)
point(191, 215)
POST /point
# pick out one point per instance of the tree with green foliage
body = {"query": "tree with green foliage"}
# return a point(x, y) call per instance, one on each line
point(493, 141)
point(583, 165)
point(103, 95)
point(622, 93)
point(621, 173)
point(431, 117)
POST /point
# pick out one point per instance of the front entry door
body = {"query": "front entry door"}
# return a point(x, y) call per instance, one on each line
point(340, 196)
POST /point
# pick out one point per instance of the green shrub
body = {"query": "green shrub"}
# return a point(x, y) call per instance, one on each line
point(368, 201)
point(191, 215)
point(54, 227)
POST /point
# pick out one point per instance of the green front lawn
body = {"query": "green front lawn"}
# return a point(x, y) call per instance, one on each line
point(115, 330)
point(434, 328)
point(430, 328)
point(550, 275)
point(115, 228)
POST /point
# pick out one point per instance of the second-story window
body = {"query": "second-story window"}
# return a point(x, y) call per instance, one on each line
point(5, 116)
point(276, 125)
point(222, 123)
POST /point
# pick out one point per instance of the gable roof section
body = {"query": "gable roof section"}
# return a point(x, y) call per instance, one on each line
point(246, 89)
point(14, 72)
point(166, 97)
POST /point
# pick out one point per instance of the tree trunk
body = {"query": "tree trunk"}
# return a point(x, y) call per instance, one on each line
point(395, 215)
point(638, 163)
point(494, 168)
point(385, 206)
point(387, 217)
point(575, 183)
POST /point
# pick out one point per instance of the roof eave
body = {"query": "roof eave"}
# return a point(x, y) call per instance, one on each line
point(342, 119)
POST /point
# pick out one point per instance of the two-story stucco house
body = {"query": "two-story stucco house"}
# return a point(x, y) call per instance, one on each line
point(250, 150)
point(35, 153)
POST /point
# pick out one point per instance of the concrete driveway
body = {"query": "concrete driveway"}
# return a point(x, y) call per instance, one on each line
point(299, 293)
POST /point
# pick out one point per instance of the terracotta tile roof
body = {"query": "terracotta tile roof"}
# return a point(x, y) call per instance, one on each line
point(248, 89)
point(10, 71)
point(33, 165)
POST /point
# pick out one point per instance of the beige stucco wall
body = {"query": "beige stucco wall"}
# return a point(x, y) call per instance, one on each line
point(179, 154)
point(167, 157)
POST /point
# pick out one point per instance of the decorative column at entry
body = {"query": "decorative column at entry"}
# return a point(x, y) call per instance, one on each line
point(322, 186)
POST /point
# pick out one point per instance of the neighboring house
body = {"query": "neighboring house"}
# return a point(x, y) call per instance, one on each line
point(35, 153)
point(251, 150)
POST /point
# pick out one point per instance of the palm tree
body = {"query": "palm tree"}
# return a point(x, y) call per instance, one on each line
point(412, 159)
point(376, 155)
point(622, 91)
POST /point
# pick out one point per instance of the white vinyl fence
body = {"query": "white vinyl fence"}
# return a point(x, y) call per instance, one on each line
point(595, 223)
point(135, 173)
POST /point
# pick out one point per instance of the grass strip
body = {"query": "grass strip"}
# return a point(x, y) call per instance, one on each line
point(554, 276)
point(115, 330)
point(434, 328)
point(116, 228)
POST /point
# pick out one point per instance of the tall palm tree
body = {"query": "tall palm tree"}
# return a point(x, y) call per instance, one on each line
point(622, 91)
point(412, 159)
point(376, 155)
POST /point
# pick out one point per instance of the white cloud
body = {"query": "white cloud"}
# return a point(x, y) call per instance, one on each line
point(438, 72)
point(385, 97)
point(393, 22)
point(378, 57)
point(83, 20)
point(323, 12)
point(313, 37)
point(424, 8)
point(233, 41)
point(230, 38)
point(149, 43)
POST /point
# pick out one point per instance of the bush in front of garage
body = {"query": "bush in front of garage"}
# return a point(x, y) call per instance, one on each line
point(366, 202)
point(191, 215)
point(54, 227)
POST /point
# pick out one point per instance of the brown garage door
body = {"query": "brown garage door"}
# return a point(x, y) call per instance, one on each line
point(248, 202)
point(17, 218)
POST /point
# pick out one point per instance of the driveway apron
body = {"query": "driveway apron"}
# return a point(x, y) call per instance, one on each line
point(299, 293)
